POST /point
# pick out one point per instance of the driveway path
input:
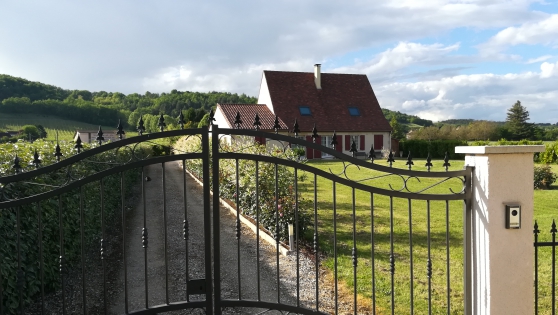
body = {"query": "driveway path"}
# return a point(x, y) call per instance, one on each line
point(176, 252)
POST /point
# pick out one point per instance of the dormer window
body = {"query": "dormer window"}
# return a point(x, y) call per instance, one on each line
point(353, 111)
point(305, 111)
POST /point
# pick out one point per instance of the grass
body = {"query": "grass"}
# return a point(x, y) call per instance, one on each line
point(544, 205)
point(545, 212)
point(401, 235)
point(65, 128)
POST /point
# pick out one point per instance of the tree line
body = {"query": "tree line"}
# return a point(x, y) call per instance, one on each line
point(516, 127)
point(18, 95)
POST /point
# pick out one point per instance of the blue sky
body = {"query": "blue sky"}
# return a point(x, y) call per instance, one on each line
point(437, 59)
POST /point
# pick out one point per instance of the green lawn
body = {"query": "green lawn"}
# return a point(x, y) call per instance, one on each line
point(65, 128)
point(546, 210)
point(381, 206)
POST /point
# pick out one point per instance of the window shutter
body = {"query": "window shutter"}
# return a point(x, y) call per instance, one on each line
point(347, 143)
point(362, 142)
point(339, 146)
point(309, 151)
point(378, 142)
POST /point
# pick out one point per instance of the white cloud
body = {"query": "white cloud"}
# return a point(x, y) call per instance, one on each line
point(477, 96)
point(549, 69)
point(108, 46)
point(401, 56)
point(539, 59)
point(544, 31)
point(199, 77)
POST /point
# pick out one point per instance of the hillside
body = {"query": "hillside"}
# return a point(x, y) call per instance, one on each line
point(20, 96)
point(65, 128)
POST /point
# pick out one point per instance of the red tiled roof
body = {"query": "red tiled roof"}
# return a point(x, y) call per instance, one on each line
point(247, 114)
point(329, 106)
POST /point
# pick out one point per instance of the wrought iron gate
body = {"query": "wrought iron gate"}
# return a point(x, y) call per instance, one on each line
point(39, 199)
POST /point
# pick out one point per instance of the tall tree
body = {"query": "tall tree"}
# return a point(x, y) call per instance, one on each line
point(397, 129)
point(517, 122)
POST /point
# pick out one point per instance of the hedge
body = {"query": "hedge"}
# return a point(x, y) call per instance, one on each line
point(436, 148)
point(29, 219)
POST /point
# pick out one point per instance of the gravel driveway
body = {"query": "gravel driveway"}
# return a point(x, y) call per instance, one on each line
point(179, 269)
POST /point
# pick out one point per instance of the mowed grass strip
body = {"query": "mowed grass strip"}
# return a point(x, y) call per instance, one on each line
point(545, 211)
point(402, 238)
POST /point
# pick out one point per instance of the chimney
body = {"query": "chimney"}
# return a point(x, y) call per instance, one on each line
point(318, 76)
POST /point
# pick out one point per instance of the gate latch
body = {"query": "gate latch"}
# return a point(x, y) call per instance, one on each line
point(196, 286)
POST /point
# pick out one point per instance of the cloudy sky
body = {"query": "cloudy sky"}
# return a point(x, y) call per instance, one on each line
point(437, 59)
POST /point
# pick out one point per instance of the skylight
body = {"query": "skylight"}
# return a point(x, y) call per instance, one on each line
point(305, 111)
point(354, 111)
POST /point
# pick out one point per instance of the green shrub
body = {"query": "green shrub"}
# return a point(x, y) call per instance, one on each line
point(269, 218)
point(550, 154)
point(544, 177)
point(50, 211)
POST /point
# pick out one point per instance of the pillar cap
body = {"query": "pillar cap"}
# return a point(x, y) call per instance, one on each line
point(500, 149)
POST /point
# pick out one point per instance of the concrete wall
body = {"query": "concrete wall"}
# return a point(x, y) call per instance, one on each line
point(502, 259)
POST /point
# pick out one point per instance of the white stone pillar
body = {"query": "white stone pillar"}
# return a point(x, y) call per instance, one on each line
point(502, 259)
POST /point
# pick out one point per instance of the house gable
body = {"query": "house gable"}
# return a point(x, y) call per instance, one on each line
point(264, 97)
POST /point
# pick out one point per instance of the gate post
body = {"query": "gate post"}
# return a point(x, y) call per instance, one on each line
point(501, 258)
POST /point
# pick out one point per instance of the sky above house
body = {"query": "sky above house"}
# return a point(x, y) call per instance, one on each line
point(438, 59)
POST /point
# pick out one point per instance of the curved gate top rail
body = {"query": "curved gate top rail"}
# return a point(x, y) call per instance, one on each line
point(212, 150)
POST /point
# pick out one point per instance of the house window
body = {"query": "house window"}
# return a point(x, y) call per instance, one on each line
point(295, 145)
point(356, 140)
point(353, 111)
point(305, 111)
point(326, 142)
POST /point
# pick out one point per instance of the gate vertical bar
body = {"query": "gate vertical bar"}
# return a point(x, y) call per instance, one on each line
point(373, 244)
point(412, 302)
point(19, 267)
point(296, 239)
point(61, 261)
point(237, 202)
point(467, 240)
point(144, 237)
point(185, 228)
point(41, 263)
point(165, 239)
point(536, 232)
point(123, 209)
point(101, 188)
point(216, 221)
point(207, 218)
point(336, 293)
point(82, 237)
point(391, 256)
point(448, 288)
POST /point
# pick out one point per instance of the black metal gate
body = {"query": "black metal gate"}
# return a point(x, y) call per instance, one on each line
point(69, 206)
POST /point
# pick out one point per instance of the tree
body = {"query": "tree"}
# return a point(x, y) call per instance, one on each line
point(397, 130)
point(42, 131)
point(30, 132)
point(204, 121)
point(517, 122)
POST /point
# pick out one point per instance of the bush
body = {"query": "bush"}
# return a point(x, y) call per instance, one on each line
point(544, 177)
point(550, 154)
point(29, 242)
point(436, 148)
point(268, 217)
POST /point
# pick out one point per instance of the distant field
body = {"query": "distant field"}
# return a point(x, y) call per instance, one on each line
point(66, 128)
